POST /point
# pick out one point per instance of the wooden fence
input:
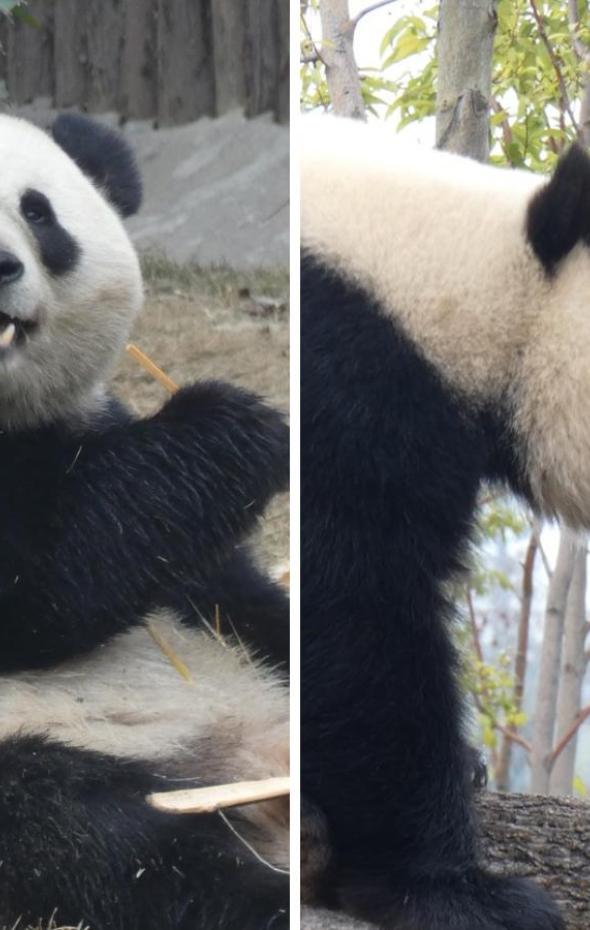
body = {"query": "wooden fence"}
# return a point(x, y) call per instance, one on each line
point(168, 60)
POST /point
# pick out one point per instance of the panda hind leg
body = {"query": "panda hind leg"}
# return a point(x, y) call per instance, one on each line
point(78, 841)
point(480, 901)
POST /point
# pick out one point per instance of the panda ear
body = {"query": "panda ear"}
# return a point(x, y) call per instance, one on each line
point(559, 214)
point(103, 155)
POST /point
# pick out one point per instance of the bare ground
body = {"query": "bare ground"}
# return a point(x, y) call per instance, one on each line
point(215, 324)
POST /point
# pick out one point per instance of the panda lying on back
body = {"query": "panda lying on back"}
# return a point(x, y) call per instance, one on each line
point(445, 340)
point(105, 521)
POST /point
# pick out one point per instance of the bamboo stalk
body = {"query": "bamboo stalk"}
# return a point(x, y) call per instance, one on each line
point(206, 800)
point(157, 373)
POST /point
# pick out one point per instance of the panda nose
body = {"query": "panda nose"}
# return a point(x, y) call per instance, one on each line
point(11, 268)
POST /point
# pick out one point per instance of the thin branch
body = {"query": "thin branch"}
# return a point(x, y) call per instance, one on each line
point(512, 736)
point(537, 527)
point(473, 621)
point(556, 66)
point(316, 55)
point(369, 9)
point(569, 734)
point(501, 728)
point(506, 130)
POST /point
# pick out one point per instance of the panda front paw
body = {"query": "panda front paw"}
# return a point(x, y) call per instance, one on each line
point(477, 768)
point(477, 902)
point(236, 424)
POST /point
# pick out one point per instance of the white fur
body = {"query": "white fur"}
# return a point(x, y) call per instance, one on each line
point(230, 722)
point(440, 240)
point(85, 315)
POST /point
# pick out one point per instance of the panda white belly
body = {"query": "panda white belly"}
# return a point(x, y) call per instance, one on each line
point(228, 722)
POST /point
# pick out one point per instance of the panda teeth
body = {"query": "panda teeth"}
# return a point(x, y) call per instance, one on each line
point(7, 336)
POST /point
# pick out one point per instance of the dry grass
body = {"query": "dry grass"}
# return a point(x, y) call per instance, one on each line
point(215, 323)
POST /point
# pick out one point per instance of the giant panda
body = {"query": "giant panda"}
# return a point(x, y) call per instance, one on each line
point(108, 524)
point(445, 341)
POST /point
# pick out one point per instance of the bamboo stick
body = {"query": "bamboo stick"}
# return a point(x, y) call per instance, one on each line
point(206, 800)
point(145, 361)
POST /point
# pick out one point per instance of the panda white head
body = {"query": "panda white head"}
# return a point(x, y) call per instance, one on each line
point(487, 270)
point(70, 283)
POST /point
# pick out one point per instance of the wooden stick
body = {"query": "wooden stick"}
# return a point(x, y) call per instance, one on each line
point(146, 362)
point(206, 800)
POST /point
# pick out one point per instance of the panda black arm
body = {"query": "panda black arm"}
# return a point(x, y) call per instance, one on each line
point(141, 508)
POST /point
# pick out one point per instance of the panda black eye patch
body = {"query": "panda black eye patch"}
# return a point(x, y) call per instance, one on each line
point(59, 250)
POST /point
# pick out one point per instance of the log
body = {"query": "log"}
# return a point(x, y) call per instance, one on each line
point(186, 87)
point(105, 27)
point(70, 53)
point(29, 54)
point(228, 24)
point(262, 56)
point(543, 838)
point(139, 69)
point(282, 109)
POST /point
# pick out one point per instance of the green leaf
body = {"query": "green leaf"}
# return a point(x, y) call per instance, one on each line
point(408, 44)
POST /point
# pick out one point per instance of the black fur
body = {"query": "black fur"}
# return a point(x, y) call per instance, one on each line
point(102, 154)
point(392, 462)
point(97, 526)
point(77, 838)
point(59, 250)
point(559, 215)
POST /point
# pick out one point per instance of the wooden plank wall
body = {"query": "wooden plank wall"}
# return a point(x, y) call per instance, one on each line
point(167, 60)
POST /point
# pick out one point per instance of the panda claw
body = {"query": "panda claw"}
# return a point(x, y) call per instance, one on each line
point(7, 336)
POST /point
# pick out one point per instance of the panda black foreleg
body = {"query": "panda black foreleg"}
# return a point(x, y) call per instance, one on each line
point(149, 506)
point(395, 783)
point(77, 839)
point(246, 604)
point(385, 761)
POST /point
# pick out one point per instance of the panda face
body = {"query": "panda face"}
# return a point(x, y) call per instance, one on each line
point(487, 270)
point(70, 284)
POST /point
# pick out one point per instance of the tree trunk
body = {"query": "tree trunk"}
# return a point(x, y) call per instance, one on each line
point(572, 674)
point(338, 54)
point(550, 664)
point(543, 838)
point(464, 48)
point(520, 662)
